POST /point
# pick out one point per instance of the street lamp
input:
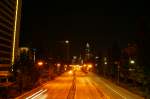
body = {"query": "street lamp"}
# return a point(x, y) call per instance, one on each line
point(90, 66)
point(67, 50)
point(118, 67)
point(132, 62)
point(96, 57)
point(117, 63)
point(105, 66)
point(67, 42)
point(34, 50)
point(58, 67)
point(40, 63)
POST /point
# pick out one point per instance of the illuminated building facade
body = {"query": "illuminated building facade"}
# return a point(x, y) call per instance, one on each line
point(10, 14)
point(88, 53)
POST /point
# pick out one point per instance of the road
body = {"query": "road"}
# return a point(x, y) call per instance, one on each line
point(79, 86)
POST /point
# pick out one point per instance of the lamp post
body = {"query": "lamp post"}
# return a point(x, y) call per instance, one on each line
point(118, 67)
point(105, 64)
point(34, 50)
point(132, 63)
point(67, 51)
point(34, 56)
point(117, 63)
point(67, 42)
point(40, 63)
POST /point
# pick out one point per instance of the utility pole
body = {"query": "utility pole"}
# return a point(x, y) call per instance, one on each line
point(34, 50)
point(118, 69)
point(67, 51)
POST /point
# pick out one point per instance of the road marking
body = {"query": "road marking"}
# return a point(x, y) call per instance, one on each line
point(102, 94)
point(99, 91)
point(114, 90)
point(73, 88)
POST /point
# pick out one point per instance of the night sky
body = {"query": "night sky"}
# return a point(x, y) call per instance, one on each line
point(47, 22)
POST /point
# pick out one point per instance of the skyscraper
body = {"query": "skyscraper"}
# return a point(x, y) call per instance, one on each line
point(10, 12)
point(88, 53)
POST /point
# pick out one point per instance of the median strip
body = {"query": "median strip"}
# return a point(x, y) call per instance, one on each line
point(73, 88)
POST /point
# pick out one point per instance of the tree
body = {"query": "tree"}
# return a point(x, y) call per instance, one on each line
point(115, 58)
point(26, 74)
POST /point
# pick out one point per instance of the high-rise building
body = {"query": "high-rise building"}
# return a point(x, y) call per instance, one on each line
point(87, 51)
point(10, 14)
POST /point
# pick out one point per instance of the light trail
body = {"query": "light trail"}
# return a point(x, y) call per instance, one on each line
point(36, 94)
point(39, 94)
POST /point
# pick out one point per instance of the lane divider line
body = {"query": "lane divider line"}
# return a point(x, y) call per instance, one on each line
point(72, 90)
point(113, 90)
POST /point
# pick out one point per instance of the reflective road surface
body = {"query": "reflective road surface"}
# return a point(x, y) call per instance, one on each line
point(79, 86)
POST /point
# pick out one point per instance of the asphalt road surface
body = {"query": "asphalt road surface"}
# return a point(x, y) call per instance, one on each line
point(79, 86)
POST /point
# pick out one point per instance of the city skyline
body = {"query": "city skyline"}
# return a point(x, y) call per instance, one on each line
point(74, 49)
point(59, 21)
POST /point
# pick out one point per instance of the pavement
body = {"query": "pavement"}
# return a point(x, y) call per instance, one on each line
point(79, 86)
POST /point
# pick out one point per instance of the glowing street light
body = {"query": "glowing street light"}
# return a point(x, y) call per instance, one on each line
point(40, 63)
point(84, 65)
point(34, 52)
point(105, 63)
point(70, 72)
point(96, 57)
point(89, 65)
point(67, 51)
point(132, 61)
point(58, 65)
point(66, 41)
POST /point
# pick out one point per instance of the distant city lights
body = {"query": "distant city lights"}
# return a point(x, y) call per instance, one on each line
point(40, 63)
point(132, 61)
